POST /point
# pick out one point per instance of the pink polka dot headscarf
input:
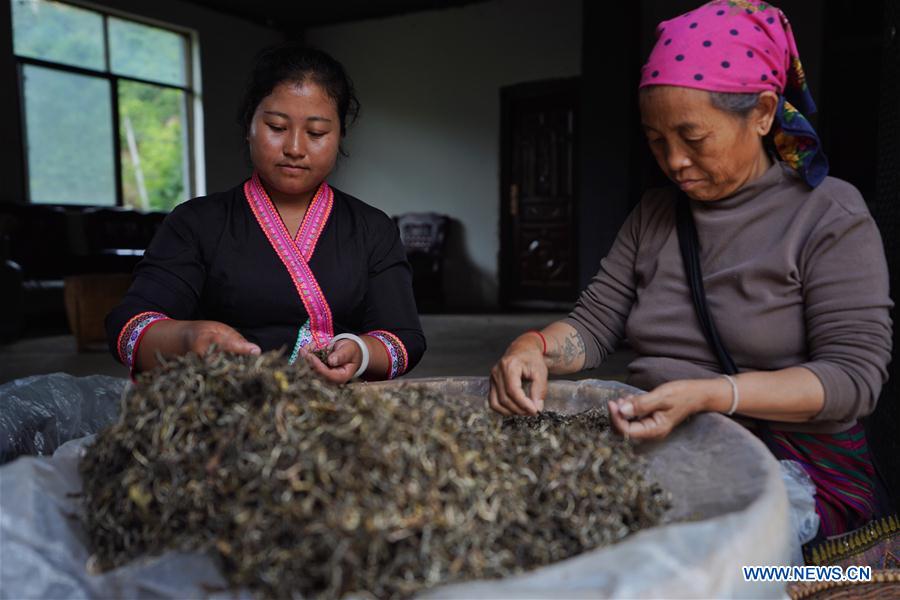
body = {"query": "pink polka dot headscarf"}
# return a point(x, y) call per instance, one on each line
point(742, 46)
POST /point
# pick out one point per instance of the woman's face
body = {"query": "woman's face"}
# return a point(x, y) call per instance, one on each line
point(294, 139)
point(708, 152)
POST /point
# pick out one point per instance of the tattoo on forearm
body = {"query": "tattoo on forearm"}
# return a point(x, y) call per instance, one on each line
point(568, 351)
point(573, 349)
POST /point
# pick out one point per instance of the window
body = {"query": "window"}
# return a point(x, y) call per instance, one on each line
point(108, 107)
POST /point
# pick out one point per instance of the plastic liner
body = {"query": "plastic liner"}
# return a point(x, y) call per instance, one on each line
point(801, 493)
point(730, 510)
point(40, 413)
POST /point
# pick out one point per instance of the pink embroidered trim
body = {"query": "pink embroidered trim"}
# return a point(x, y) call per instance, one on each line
point(295, 253)
point(130, 337)
point(396, 351)
point(314, 221)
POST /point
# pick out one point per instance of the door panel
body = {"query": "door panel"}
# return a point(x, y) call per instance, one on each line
point(538, 193)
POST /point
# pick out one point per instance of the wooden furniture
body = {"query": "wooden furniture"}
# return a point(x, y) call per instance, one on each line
point(88, 299)
point(67, 262)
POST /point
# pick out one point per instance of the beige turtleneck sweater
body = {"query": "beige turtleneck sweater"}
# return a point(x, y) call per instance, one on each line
point(793, 277)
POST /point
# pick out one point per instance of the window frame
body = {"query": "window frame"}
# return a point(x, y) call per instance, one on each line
point(196, 183)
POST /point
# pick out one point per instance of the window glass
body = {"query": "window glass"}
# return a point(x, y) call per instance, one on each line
point(70, 139)
point(153, 146)
point(102, 93)
point(146, 52)
point(58, 32)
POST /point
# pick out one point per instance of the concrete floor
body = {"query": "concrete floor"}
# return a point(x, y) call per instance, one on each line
point(462, 345)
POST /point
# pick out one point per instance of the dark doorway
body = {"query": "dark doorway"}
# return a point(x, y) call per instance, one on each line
point(538, 190)
point(849, 132)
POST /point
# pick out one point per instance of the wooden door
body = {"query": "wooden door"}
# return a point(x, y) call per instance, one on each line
point(538, 194)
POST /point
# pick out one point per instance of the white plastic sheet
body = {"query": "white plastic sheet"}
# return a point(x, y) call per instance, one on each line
point(730, 510)
point(801, 493)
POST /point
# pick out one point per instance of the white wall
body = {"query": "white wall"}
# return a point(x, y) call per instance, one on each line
point(428, 136)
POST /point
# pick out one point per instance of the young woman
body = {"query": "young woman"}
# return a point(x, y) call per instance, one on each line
point(282, 260)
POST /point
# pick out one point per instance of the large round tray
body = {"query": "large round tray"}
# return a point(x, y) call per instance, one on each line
point(730, 509)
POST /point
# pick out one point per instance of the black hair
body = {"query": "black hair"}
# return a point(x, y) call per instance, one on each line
point(294, 62)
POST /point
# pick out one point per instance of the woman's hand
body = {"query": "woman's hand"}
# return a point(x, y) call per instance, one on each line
point(523, 360)
point(341, 363)
point(557, 349)
point(176, 338)
point(198, 336)
point(654, 415)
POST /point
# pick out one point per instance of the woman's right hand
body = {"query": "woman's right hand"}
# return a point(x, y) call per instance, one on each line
point(198, 336)
point(175, 338)
point(522, 361)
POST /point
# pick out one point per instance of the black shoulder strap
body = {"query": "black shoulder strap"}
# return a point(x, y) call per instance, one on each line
point(690, 256)
point(689, 244)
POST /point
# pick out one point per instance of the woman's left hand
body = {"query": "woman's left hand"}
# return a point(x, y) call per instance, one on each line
point(341, 363)
point(653, 416)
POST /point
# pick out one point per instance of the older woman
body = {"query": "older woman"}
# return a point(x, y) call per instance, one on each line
point(282, 260)
point(793, 269)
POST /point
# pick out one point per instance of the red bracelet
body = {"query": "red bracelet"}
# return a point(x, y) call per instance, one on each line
point(543, 340)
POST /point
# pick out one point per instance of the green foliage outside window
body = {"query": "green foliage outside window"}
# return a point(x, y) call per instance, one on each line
point(70, 143)
point(145, 52)
point(151, 138)
point(68, 123)
point(58, 33)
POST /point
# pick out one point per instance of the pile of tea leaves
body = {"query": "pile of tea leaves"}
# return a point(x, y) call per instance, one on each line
point(302, 488)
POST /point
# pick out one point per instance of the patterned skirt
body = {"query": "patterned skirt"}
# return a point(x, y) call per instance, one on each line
point(841, 468)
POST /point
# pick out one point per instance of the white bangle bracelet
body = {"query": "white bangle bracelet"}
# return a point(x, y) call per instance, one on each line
point(362, 347)
point(735, 395)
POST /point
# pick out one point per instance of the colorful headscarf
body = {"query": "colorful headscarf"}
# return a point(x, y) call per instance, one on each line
point(743, 46)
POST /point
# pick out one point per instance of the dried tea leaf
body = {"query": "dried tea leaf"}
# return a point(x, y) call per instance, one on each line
point(301, 487)
point(322, 354)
